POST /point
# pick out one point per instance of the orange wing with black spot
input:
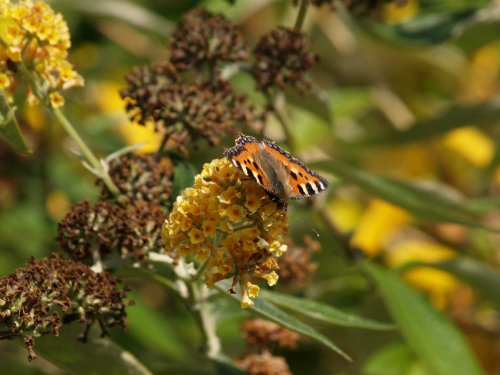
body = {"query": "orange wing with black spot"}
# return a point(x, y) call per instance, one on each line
point(304, 181)
point(242, 155)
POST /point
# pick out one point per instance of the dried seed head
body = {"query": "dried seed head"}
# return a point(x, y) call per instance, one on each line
point(187, 112)
point(203, 38)
point(140, 178)
point(89, 228)
point(263, 364)
point(36, 299)
point(282, 58)
point(264, 335)
point(105, 227)
point(295, 265)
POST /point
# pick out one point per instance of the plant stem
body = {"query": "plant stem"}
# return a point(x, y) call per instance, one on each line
point(301, 15)
point(283, 121)
point(198, 294)
point(70, 130)
point(86, 151)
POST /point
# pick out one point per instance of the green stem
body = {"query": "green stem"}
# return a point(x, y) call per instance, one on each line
point(70, 130)
point(292, 145)
point(301, 15)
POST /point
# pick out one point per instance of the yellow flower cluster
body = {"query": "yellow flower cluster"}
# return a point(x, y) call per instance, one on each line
point(34, 35)
point(229, 224)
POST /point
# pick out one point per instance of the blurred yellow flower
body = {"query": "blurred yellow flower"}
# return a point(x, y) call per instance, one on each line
point(345, 212)
point(435, 282)
point(395, 13)
point(235, 240)
point(484, 73)
point(472, 144)
point(34, 35)
point(377, 226)
point(111, 104)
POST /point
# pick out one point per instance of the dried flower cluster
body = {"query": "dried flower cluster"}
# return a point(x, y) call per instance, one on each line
point(231, 224)
point(143, 177)
point(295, 264)
point(282, 57)
point(262, 337)
point(206, 39)
point(35, 299)
point(157, 94)
point(88, 232)
point(34, 35)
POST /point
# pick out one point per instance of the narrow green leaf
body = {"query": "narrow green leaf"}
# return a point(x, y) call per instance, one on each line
point(269, 311)
point(436, 341)
point(97, 356)
point(9, 128)
point(484, 279)
point(456, 116)
point(321, 312)
point(226, 366)
point(426, 28)
point(435, 204)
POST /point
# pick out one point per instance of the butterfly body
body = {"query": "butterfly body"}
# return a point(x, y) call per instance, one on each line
point(279, 173)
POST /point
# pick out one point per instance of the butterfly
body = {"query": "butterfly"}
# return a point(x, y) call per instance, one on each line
point(279, 173)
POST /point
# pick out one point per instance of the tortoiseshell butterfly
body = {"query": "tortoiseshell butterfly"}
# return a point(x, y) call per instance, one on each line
point(279, 173)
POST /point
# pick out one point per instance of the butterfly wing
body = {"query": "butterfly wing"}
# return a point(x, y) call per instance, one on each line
point(242, 155)
point(303, 180)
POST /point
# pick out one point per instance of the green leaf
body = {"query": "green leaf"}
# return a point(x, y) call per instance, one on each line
point(395, 359)
point(97, 356)
point(484, 279)
point(456, 116)
point(436, 341)
point(321, 312)
point(434, 204)
point(9, 128)
point(226, 366)
point(482, 29)
point(184, 173)
point(154, 329)
point(269, 311)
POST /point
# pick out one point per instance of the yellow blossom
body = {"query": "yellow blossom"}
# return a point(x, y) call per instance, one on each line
point(238, 240)
point(235, 213)
point(253, 202)
point(208, 228)
point(272, 278)
point(196, 236)
point(56, 100)
point(32, 33)
point(246, 302)
point(253, 290)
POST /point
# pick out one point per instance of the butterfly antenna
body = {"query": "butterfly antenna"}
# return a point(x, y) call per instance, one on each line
point(306, 222)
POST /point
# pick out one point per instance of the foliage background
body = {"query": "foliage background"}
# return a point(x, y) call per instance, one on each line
point(408, 93)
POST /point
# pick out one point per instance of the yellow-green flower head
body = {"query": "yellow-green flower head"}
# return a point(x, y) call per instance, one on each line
point(230, 223)
point(31, 33)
